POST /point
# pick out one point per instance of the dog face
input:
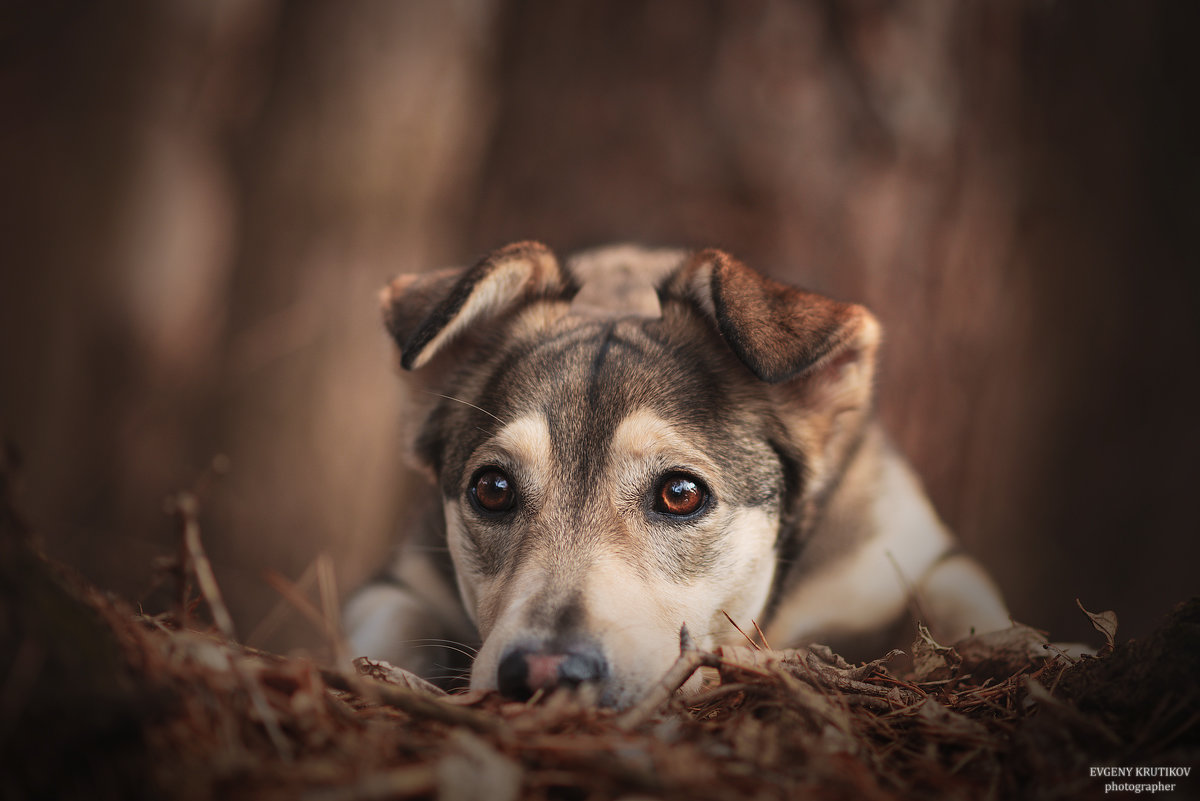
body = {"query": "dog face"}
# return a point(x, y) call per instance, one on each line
point(618, 457)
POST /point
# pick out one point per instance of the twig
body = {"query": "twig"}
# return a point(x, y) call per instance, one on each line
point(749, 639)
point(762, 636)
point(869, 669)
point(416, 704)
point(327, 586)
point(903, 684)
point(690, 660)
point(296, 598)
point(283, 607)
point(850, 680)
point(186, 506)
point(719, 692)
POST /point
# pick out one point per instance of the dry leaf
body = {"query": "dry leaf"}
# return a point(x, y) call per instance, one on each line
point(390, 674)
point(1106, 624)
point(1003, 653)
point(931, 660)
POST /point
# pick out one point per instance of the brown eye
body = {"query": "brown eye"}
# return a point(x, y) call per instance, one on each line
point(492, 490)
point(680, 495)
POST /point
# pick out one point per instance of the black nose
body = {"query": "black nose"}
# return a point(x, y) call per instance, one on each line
point(525, 670)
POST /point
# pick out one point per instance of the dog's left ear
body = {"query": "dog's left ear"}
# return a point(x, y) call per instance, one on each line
point(779, 332)
point(817, 355)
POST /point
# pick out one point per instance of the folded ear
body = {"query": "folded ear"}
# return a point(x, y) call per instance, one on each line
point(779, 332)
point(427, 311)
point(817, 355)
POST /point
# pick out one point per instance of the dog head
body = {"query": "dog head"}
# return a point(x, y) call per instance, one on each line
point(622, 446)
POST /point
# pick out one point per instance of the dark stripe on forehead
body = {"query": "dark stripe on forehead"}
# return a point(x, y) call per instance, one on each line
point(610, 378)
point(595, 380)
point(584, 409)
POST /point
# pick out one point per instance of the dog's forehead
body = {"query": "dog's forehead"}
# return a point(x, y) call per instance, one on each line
point(583, 376)
point(591, 372)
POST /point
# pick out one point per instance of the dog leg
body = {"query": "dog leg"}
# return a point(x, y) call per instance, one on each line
point(959, 599)
point(905, 563)
point(412, 618)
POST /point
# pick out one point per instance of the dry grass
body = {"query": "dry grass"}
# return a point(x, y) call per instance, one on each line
point(98, 700)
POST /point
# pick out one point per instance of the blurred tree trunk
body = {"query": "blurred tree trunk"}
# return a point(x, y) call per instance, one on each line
point(206, 199)
point(120, 228)
point(357, 169)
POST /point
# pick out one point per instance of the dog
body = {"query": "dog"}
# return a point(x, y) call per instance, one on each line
point(642, 439)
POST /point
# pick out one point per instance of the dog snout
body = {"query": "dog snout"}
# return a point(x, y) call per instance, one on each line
point(525, 670)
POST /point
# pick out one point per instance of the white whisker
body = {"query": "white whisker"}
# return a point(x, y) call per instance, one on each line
point(444, 641)
point(467, 403)
point(449, 645)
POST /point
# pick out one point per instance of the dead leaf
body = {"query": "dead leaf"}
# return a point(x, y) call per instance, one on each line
point(931, 660)
point(1003, 653)
point(1106, 624)
point(390, 674)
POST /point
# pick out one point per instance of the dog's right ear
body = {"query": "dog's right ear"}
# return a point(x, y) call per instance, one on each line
point(427, 311)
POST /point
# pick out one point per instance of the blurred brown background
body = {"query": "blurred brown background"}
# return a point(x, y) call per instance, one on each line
point(200, 199)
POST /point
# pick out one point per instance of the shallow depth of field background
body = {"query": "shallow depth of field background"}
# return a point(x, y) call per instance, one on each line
point(200, 199)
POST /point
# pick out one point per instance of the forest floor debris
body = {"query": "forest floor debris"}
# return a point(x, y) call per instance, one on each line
point(99, 700)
